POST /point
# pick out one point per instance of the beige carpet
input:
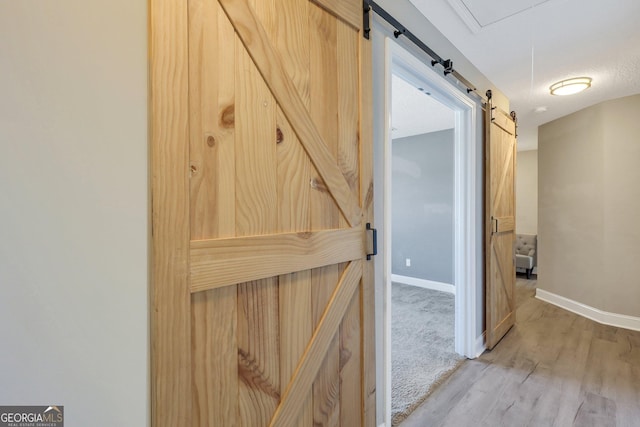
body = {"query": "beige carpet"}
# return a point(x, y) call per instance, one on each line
point(422, 346)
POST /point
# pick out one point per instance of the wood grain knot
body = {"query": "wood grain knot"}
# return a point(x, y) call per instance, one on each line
point(345, 356)
point(211, 141)
point(318, 184)
point(253, 375)
point(279, 135)
point(228, 117)
point(193, 169)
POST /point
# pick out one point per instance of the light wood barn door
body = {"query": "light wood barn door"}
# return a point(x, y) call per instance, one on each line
point(261, 156)
point(500, 270)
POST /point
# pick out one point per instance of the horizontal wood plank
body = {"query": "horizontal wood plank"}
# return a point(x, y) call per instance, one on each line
point(504, 121)
point(348, 11)
point(506, 223)
point(222, 262)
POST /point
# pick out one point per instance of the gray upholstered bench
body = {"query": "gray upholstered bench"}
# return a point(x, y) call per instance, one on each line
point(526, 247)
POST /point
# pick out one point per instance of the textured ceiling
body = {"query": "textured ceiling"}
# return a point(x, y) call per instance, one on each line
point(483, 12)
point(533, 44)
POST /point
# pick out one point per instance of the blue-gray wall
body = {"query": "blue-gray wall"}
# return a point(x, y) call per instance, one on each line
point(422, 206)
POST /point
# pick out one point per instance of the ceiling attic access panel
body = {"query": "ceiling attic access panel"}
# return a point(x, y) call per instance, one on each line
point(481, 13)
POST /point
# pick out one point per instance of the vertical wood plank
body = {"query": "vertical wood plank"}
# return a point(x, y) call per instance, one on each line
point(324, 213)
point(324, 107)
point(258, 352)
point(290, 36)
point(488, 223)
point(212, 164)
point(348, 159)
point(169, 112)
point(351, 365)
point(287, 27)
point(215, 357)
point(295, 331)
point(348, 105)
point(292, 40)
point(326, 387)
point(256, 168)
point(349, 162)
point(211, 98)
point(294, 174)
point(225, 160)
point(256, 213)
point(366, 195)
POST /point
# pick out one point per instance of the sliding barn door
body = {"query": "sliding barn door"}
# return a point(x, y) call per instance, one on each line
point(500, 157)
point(262, 297)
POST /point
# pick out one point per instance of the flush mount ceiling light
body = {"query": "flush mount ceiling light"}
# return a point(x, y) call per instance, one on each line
point(570, 86)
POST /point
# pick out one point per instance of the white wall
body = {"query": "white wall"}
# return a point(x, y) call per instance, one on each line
point(589, 205)
point(527, 192)
point(73, 209)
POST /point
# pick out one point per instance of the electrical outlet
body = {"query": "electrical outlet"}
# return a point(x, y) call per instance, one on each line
point(408, 262)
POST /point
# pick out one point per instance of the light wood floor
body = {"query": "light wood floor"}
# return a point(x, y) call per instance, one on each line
point(554, 368)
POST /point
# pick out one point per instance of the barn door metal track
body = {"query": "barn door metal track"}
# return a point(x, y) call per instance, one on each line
point(401, 30)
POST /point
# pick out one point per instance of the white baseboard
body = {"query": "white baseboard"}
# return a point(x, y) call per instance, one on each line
point(427, 284)
point(604, 317)
point(480, 347)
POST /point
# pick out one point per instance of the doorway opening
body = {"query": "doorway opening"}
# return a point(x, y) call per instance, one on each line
point(422, 245)
point(393, 58)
